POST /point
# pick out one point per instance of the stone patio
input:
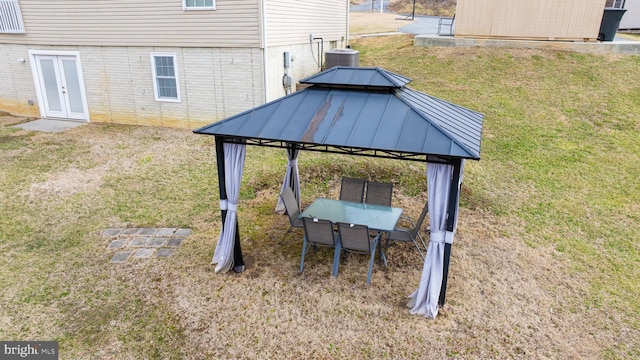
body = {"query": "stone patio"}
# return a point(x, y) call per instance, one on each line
point(143, 243)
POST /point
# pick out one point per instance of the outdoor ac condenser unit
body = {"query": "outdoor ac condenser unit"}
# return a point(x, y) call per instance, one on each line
point(341, 57)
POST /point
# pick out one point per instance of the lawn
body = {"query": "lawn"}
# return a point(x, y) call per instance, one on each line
point(545, 264)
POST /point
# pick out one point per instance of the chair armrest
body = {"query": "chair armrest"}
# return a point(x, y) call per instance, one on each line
point(405, 218)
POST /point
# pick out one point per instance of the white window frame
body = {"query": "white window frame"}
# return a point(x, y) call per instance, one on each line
point(616, 4)
point(155, 76)
point(185, 7)
point(11, 17)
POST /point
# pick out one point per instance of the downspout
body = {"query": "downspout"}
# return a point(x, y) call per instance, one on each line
point(347, 29)
point(265, 58)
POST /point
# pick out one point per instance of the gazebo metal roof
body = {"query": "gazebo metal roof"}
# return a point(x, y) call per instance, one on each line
point(359, 111)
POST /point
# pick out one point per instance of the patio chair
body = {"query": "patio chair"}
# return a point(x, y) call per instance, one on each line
point(446, 22)
point(319, 232)
point(356, 239)
point(352, 189)
point(411, 234)
point(291, 207)
point(379, 193)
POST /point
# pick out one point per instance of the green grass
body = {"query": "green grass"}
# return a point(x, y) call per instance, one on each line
point(561, 148)
point(556, 196)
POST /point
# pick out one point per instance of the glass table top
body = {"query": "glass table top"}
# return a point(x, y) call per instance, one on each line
point(377, 217)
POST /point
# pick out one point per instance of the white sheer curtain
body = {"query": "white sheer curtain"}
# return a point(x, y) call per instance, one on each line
point(233, 164)
point(291, 177)
point(424, 301)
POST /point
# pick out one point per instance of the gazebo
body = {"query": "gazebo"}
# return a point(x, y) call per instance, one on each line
point(364, 112)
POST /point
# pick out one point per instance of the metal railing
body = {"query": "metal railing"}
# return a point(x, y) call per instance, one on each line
point(11, 17)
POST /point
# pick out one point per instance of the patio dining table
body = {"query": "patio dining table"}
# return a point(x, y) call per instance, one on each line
point(376, 217)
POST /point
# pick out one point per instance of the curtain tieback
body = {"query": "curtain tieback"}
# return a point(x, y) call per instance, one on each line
point(232, 206)
point(223, 204)
point(293, 162)
point(437, 236)
point(449, 237)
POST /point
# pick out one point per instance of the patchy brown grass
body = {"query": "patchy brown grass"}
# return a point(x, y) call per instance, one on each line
point(373, 23)
point(506, 299)
point(544, 266)
point(424, 7)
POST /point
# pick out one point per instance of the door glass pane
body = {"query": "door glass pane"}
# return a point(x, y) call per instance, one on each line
point(73, 85)
point(50, 84)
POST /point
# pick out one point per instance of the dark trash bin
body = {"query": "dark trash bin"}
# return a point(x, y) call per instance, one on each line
point(610, 23)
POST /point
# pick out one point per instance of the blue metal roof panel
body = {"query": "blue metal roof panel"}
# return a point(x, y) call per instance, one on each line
point(342, 118)
point(402, 120)
point(464, 124)
point(357, 76)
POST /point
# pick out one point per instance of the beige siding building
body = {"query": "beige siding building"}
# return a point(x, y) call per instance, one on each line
point(178, 63)
point(571, 20)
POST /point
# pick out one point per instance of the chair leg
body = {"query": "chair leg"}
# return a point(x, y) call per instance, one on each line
point(415, 243)
point(383, 257)
point(418, 248)
point(286, 233)
point(304, 251)
point(336, 260)
point(424, 246)
point(371, 261)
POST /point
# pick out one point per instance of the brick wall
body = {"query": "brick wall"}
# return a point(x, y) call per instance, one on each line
point(214, 84)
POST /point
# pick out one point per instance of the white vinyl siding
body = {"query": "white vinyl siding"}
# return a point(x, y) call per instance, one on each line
point(11, 17)
point(165, 77)
point(631, 18)
point(293, 21)
point(137, 23)
point(199, 4)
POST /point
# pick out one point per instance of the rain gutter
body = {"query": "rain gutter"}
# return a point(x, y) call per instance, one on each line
point(265, 58)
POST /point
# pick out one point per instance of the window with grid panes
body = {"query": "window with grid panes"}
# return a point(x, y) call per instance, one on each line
point(165, 77)
point(198, 4)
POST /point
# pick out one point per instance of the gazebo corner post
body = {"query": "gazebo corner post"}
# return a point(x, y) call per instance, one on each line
point(238, 263)
point(452, 216)
point(221, 185)
point(221, 176)
point(445, 274)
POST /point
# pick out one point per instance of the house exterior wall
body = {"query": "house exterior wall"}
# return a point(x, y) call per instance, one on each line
point(292, 21)
point(631, 17)
point(536, 19)
point(290, 24)
point(17, 87)
point(234, 23)
point(225, 64)
point(214, 83)
point(305, 63)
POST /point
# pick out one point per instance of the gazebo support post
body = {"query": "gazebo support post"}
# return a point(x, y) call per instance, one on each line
point(238, 262)
point(454, 193)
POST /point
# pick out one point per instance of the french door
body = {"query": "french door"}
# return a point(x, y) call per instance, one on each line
point(61, 87)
